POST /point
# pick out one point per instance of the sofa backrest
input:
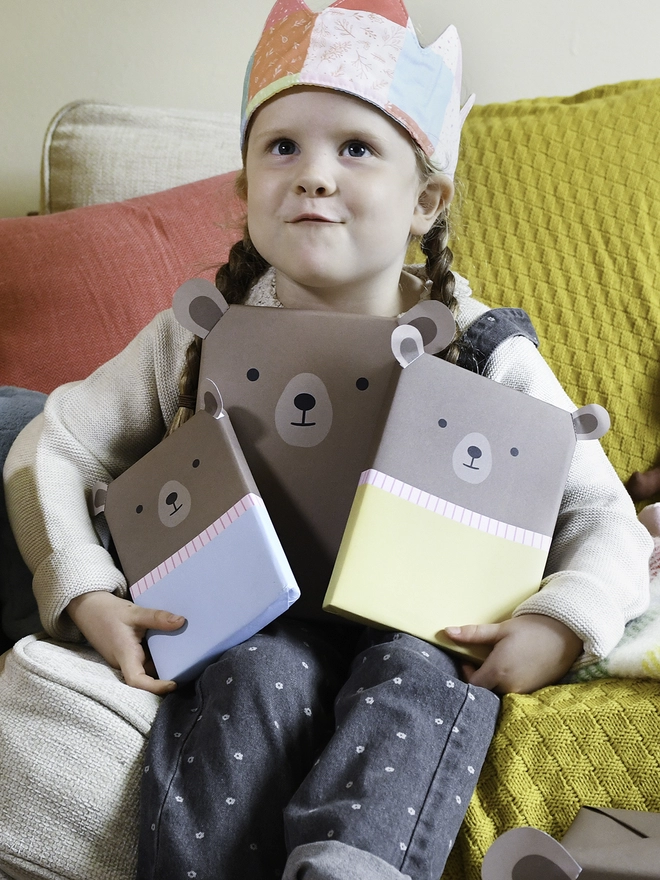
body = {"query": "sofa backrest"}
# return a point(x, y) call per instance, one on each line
point(96, 152)
point(560, 215)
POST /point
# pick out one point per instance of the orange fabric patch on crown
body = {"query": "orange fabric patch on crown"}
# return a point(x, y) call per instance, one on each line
point(282, 50)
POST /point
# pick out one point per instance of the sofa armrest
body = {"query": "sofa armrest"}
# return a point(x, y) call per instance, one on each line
point(96, 152)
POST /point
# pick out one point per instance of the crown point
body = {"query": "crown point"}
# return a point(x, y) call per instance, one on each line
point(394, 10)
point(282, 9)
point(448, 45)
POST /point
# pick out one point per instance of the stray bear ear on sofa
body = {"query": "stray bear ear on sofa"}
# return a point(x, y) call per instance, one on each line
point(528, 854)
point(198, 306)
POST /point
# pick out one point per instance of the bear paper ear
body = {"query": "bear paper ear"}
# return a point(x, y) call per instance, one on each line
point(435, 323)
point(407, 344)
point(99, 495)
point(591, 422)
point(198, 306)
point(528, 854)
point(211, 398)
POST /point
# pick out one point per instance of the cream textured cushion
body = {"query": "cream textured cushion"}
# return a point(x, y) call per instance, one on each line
point(96, 153)
point(76, 735)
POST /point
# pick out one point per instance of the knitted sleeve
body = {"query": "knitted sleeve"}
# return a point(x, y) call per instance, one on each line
point(596, 578)
point(92, 431)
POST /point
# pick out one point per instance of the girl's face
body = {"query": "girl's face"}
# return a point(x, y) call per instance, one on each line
point(333, 196)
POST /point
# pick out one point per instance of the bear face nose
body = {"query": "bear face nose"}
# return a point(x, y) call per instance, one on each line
point(304, 402)
point(474, 447)
point(174, 503)
point(303, 394)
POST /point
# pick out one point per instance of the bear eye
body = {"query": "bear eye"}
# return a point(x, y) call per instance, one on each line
point(253, 374)
point(514, 452)
point(362, 384)
point(442, 423)
point(139, 508)
point(195, 463)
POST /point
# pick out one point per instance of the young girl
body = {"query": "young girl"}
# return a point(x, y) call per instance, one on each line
point(319, 750)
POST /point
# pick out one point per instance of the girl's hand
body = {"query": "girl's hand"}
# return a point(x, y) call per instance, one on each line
point(529, 652)
point(116, 627)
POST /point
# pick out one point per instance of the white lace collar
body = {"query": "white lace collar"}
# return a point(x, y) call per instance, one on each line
point(264, 293)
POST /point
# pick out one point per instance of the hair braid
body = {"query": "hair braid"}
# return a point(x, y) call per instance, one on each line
point(439, 257)
point(243, 268)
point(234, 280)
point(188, 385)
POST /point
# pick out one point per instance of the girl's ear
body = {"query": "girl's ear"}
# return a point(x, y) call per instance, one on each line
point(435, 196)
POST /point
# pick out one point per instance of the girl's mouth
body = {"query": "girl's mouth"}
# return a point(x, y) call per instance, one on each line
point(315, 218)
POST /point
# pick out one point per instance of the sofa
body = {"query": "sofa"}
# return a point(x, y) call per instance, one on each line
point(558, 212)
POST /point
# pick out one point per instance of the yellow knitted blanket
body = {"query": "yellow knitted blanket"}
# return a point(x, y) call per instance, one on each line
point(556, 750)
point(560, 215)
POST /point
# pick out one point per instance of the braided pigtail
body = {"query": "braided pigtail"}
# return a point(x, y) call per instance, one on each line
point(439, 258)
point(188, 382)
point(234, 279)
point(243, 268)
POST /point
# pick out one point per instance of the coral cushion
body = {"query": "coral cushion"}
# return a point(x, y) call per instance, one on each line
point(76, 287)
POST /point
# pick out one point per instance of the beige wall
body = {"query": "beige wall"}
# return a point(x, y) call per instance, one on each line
point(192, 53)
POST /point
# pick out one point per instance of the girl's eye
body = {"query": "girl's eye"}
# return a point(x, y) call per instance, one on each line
point(283, 147)
point(357, 150)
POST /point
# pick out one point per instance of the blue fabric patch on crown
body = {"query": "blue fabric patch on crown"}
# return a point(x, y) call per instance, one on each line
point(422, 86)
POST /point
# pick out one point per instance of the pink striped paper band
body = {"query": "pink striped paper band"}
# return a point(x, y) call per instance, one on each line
point(201, 540)
point(453, 511)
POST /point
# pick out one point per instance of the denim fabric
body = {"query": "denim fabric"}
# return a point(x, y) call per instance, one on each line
point(251, 757)
point(482, 337)
point(227, 753)
point(331, 859)
point(18, 607)
point(398, 773)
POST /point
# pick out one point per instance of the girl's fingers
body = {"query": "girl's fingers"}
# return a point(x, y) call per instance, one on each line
point(133, 670)
point(475, 634)
point(140, 679)
point(153, 618)
point(484, 677)
point(132, 659)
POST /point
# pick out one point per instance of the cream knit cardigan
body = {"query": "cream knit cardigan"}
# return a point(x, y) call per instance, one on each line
point(94, 430)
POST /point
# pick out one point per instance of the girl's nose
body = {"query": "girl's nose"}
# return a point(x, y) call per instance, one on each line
point(315, 179)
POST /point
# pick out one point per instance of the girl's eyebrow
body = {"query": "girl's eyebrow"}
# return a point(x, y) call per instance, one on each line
point(270, 133)
point(366, 135)
point(342, 135)
point(270, 136)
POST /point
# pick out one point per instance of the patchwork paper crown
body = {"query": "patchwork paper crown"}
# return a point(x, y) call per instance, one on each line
point(366, 48)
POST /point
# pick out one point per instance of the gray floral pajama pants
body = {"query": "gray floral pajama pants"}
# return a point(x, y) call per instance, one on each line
point(317, 752)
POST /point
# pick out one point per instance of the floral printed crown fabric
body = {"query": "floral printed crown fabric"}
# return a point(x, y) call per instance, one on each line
point(368, 49)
